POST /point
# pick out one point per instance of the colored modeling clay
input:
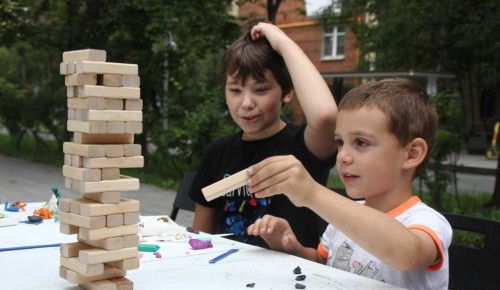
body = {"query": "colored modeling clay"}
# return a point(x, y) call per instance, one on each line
point(300, 286)
point(300, 278)
point(148, 248)
point(197, 244)
point(297, 270)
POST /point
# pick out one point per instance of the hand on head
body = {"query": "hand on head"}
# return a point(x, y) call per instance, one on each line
point(274, 35)
point(276, 232)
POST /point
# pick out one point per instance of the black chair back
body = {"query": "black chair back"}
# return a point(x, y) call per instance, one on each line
point(182, 200)
point(470, 267)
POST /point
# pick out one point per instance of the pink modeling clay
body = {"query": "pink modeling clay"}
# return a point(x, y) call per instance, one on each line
point(200, 244)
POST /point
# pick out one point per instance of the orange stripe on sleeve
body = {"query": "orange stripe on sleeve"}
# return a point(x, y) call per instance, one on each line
point(437, 241)
point(322, 251)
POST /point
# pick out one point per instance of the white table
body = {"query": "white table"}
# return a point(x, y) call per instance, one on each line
point(180, 267)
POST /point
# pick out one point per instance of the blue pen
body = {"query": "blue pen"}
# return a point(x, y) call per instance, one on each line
point(28, 247)
point(222, 256)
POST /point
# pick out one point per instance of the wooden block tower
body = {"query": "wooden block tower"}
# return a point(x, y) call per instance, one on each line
point(104, 113)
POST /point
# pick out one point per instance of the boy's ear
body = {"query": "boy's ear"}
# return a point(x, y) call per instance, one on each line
point(416, 153)
point(288, 97)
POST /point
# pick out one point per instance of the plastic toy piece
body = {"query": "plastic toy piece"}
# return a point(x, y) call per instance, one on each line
point(15, 206)
point(148, 248)
point(44, 213)
point(197, 244)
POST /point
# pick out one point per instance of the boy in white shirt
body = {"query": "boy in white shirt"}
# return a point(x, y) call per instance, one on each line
point(385, 131)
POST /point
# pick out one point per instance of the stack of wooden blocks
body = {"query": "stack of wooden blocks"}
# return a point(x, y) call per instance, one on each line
point(104, 113)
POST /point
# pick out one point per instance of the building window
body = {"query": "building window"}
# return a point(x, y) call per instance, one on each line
point(333, 43)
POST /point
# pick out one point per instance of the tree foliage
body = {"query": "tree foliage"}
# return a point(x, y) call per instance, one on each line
point(180, 83)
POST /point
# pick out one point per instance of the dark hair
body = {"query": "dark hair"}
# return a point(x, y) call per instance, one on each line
point(409, 110)
point(246, 57)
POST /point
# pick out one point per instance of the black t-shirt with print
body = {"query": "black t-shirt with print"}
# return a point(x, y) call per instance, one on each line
point(238, 209)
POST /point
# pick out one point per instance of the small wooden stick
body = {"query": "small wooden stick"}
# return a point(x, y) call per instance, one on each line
point(225, 185)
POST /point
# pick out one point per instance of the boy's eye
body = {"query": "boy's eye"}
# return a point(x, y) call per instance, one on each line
point(360, 143)
point(261, 90)
point(339, 142)
point(234, 90)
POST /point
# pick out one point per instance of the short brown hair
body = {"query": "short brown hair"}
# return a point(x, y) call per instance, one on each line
point(246, 57)
point(409, 110)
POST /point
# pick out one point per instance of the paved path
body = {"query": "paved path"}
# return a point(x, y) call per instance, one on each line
point(30, 182)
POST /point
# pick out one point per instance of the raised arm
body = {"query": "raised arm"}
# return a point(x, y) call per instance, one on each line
point(313, 94)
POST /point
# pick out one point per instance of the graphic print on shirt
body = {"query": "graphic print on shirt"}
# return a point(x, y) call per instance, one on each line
point(241, 210)
point(342, 260)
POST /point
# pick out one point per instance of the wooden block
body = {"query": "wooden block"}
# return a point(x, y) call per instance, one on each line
point(123, 184)
point(116, 104)
point(84, 150)
point(71, 67)
point(80, 79)
point(96, 222)
point(84, 174)
point(131, 81)
point(87, 270)
point(123, 283)
point(131, 241)
point(131, 150)
point(97, 209)
point(64, 205)
point(99, 285)
point(71, 92)
point(70, 250)
point(115, 150)
point(225, 185)
point(75, 184)
point(126, 264)
point(114, 115)
point(75, 204)
point(110, 80)
point(133, 127)
point(71, 114)
point(133, 105)
point(94, 256)
point(104, 197)
point(110, 174)
point(130, 218)
point(116, 127)
point(87, 103)
point(109, 272)
point(99, 127)
point(63, 68)
point(110, 244)
point(106, 68)
point(91, 138)
point(108, 92)
point(115, 162)
point(68, 229)
point(114, 220)
point(68, 182)
point(105, 233)
point(84, 54)
point(76, 161)
point(67, 159)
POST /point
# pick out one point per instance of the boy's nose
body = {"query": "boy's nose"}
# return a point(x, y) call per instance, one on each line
point(247, 101)
point(343, 156)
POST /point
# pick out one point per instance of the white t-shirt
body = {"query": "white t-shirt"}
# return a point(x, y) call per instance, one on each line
point(342, 253)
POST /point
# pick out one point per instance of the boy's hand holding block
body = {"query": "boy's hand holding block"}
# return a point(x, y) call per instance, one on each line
point(225, 185)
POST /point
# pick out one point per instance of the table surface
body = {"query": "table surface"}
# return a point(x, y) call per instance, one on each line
point(180, 267)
